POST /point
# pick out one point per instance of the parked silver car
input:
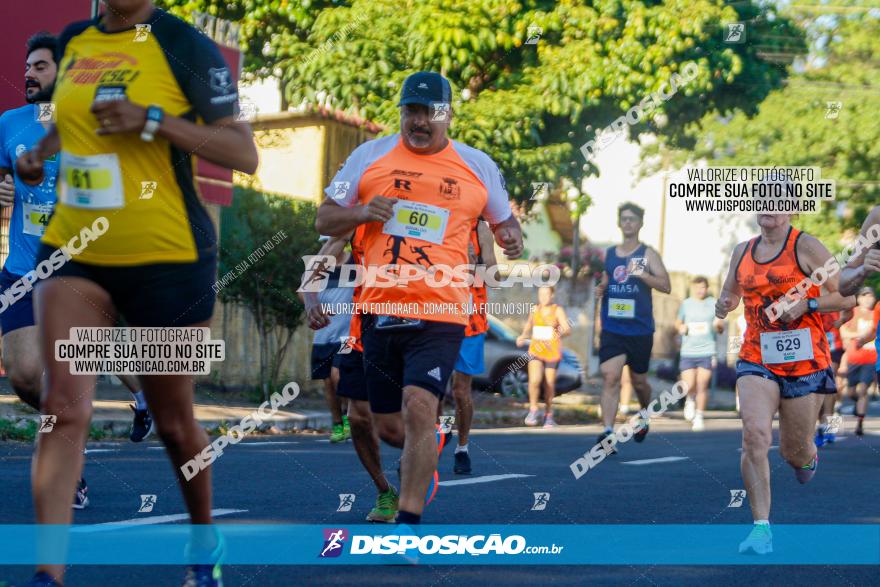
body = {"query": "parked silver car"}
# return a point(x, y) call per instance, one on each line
point(506, 364)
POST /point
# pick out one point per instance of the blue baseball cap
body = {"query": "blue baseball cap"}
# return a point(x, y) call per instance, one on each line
point(426, 88)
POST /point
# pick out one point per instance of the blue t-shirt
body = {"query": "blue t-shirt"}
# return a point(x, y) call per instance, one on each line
point(698, 315)
point(627, 307)
point(19, 132)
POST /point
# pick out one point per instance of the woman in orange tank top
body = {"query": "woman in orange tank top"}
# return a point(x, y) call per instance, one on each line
point(784, 363)
point(547, 324)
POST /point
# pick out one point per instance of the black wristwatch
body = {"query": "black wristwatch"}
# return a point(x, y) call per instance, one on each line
point(812, 305)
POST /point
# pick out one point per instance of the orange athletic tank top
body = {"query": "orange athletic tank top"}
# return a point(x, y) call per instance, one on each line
point(762, 285)
point(545, 343)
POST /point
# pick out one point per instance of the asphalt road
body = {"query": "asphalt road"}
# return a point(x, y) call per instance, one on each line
point(298, 479)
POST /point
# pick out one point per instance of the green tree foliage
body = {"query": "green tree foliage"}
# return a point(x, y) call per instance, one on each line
point(530, 106)
point(795, 126)
point(263, 240)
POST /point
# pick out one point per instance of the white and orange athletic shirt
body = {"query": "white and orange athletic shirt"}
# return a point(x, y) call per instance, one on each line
point(440, 197)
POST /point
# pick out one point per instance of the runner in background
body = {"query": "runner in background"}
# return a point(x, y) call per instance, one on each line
point(826, 433)
point(327, 341)
point(352, 386)
point(861, 355)
point(547, 325)
point(481, 253)
point(632, 270)
point(697, 324)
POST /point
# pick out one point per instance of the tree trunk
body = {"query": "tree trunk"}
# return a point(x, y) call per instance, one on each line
point(264, 351)
point(281, 351)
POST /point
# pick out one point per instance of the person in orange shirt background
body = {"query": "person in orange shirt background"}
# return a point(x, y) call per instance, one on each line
point(547, 324)
point(858, 340)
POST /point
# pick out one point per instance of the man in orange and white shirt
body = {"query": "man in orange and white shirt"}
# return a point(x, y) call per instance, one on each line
point(418, 193)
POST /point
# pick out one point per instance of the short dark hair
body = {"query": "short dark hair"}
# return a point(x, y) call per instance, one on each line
point(700, 279)
point(634, 208)
point(43, 40)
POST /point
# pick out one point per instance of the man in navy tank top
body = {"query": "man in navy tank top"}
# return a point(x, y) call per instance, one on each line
point(632, 270)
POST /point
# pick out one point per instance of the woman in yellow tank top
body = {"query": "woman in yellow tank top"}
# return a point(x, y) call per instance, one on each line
point(547, 324)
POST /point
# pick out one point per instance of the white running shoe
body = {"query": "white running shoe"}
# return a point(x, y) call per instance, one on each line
point(690, 409)
point(532, 418)
point(624, 409)
point(698, 424)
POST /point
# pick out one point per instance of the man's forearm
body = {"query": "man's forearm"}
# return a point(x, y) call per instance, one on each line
point(851, 279)
point(655, 282)
point(835, 302)
point(334, 220)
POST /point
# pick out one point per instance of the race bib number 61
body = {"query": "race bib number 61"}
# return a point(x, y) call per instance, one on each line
point(93, 181)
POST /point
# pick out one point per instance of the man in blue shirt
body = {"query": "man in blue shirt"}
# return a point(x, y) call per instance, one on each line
point(20, 129)
point(632, 271)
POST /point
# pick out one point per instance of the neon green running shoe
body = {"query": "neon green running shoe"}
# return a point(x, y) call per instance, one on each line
point(346, 428)
point(338, 434)
point(386, 507)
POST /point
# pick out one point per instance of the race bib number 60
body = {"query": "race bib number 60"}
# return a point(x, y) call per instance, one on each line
point(422, 221)
point(93, 181)
point(787, 346)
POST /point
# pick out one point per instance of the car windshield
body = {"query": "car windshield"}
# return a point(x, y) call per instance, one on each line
point(502, 330)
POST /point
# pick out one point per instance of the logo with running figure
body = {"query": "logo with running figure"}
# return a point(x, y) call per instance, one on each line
point(346, 500)
point(340, 189)
point(533, 34)
point(541, 500)
point(148, 188)
point(334, 540)
point(737, 498)
point(832, 110)
point(735, 32)
point(834, 424)
point(440, 111)
point(446, 423)
point(318, 270)
point(637, 266)
point(147, 504)
point(141, 32)
point(45, 112)
point(47, 423)
point(620, 274)
point(346, 345)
